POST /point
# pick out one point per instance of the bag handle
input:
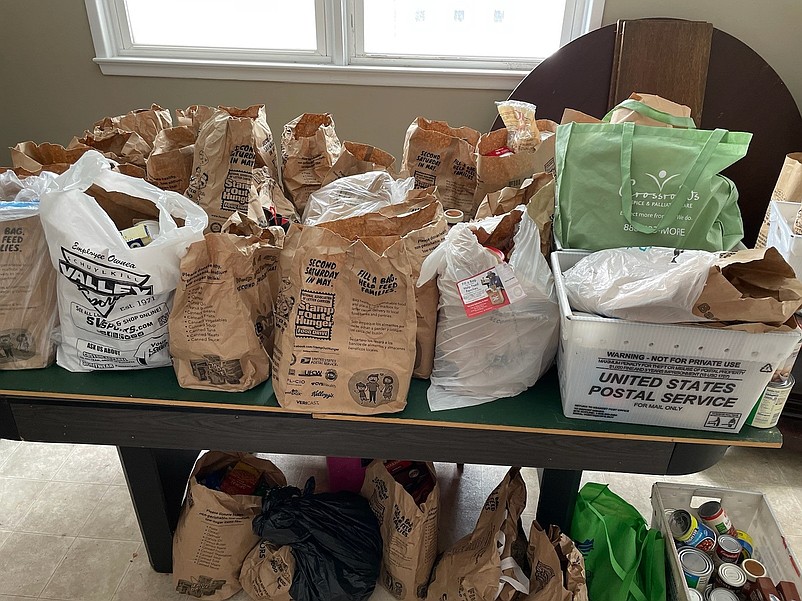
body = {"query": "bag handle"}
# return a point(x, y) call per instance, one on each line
point(684, 191)
point(632, 586)
point(652, 113)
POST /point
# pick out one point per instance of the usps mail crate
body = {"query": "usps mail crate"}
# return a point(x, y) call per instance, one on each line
point(749, 511)
point(662, 375)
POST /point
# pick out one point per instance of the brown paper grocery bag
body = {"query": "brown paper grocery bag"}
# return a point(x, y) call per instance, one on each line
point(546, 578)
point(194, 116)
point(309, 149)
point(122, 146)
point(214, 532)
point(625, 115)
point(221, 325)
point(169, 165)
point(421, 227)
point(271, 197)
point(572, 564)
point(436, 154)
point(574, 116)
point(787, 189)
point(36, 158)
point(359, 158)
point(28, 312)
point(755, 286)
point(409, 531)
point(230, 146)
point(490, 562)
point(145, 122)
point(345, 324)
point(496, 172)
point(267, 572)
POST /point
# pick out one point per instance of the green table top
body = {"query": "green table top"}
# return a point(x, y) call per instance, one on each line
point(536, 410)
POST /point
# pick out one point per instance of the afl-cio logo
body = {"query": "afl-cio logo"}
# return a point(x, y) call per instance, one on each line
point(331, 375)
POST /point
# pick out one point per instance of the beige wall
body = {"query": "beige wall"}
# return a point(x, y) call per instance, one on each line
point(52, 89)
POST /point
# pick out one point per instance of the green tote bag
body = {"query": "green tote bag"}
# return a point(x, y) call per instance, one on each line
point(624, 558)
point(635, 185)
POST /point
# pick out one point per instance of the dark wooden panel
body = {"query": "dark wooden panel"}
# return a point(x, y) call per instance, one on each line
point(667, 57)
point(149, 427)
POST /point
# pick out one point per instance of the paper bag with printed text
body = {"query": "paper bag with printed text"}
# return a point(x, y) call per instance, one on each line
point(787, 189)
point(267, 572)
point(169, 165)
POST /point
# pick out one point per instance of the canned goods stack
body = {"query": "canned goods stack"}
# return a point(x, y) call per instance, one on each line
point(717, 561)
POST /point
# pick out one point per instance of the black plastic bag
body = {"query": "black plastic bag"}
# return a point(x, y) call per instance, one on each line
point(335, 540)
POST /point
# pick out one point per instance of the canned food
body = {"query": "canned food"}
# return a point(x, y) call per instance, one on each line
point(686, 529)
point(694, 595)
point(713, 515)
point(753, 570)
point(728, 549)
point(747, 544)
point(766, 412)
point(722, 594)
point(697, 567)
point(730, 576)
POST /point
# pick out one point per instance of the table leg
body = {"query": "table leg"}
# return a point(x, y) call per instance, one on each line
point(558, 492)
point(156, 480)
point(8, 427)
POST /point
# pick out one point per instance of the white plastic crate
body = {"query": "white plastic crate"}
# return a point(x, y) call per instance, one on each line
point(660, 374)
point(749, 511)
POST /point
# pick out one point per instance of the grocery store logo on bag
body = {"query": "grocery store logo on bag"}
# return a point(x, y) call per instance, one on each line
point(660, 180)
point(101, 284)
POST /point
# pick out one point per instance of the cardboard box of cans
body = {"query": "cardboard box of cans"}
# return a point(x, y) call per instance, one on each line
point(748, 512)
point(660, 374)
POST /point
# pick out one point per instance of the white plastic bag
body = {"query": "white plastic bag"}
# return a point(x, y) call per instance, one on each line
point(653, 285)
point(781, 233)
point(114, 301)
point(355, 195)
point(502, 352)
point(28, 312)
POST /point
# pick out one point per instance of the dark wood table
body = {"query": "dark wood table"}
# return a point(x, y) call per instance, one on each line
point(159, 429)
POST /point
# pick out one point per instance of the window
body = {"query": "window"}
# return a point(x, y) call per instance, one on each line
point(442, 43)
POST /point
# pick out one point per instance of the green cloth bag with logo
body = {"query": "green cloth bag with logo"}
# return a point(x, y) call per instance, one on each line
point(624, 184)
point(624, 558)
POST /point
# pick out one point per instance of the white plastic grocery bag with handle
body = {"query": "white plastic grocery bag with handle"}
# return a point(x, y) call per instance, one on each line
point(113, 300)
point(500, 352)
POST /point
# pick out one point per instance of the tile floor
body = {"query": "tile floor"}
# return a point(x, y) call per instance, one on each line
point(68, 530)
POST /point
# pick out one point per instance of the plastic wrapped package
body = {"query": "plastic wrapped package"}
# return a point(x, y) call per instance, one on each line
point(28, 311)
point(498, 352)
point(355, 195)
point(656, 285)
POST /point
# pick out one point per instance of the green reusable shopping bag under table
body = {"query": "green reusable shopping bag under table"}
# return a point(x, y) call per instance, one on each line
point(624, 558)
point(636, 185)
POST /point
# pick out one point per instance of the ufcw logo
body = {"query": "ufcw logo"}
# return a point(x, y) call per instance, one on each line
point(102, 285)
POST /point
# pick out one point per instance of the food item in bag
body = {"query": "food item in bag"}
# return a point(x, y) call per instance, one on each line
point(309, 149)
point(114, 301)
point(214, 534)
point(28, 311)
point(221, 325)
point(360, 158)
point(519, 119)
point(267, 572)
point(436, 154)
point(490, 563)
point(169, 165)
point(405, 497)
point(497, 324)
point(231, 145)
point(421, 226)
point(141, 234)
point(345, 323)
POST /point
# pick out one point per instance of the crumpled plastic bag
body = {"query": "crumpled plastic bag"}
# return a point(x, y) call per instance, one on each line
point(502, 352)
point(355, 195)
point(335, 539)
point(655, 285)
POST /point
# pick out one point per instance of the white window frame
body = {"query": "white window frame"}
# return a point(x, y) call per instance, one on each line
point(338, 59)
